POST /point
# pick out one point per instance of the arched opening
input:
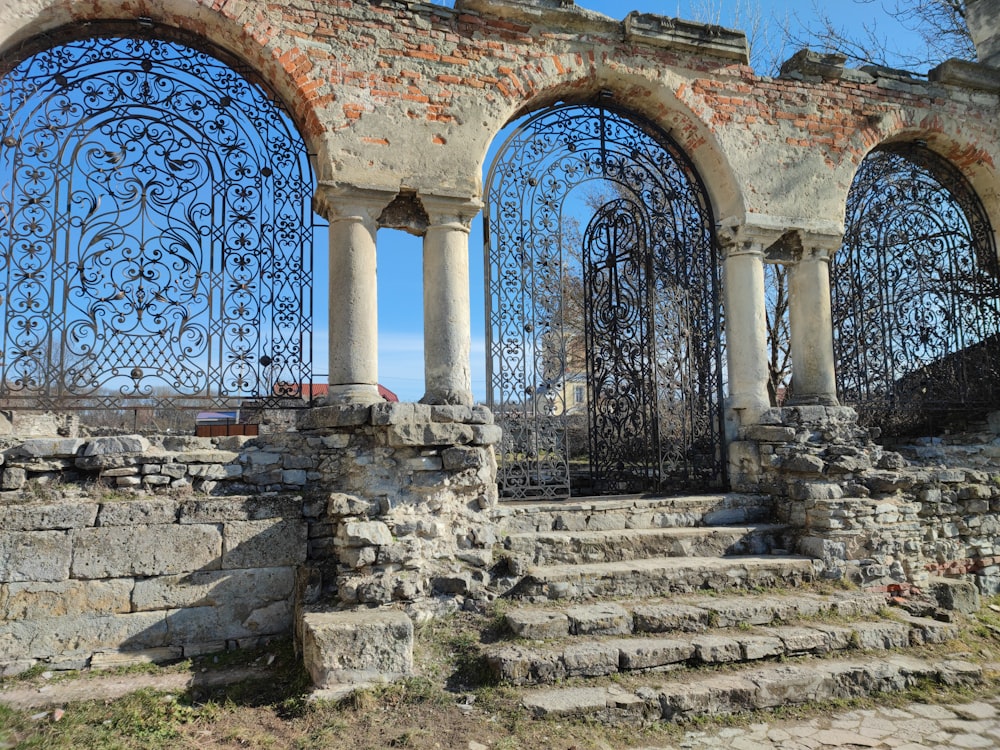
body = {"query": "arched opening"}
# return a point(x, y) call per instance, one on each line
point(916, 296)
point(602, 305)
point(156, 231)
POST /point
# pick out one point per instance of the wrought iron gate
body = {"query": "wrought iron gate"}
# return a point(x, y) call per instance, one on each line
point(604, 333)
point(916, 295)
point(155, 230)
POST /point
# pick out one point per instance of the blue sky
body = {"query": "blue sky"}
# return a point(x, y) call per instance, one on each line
point(400, 295)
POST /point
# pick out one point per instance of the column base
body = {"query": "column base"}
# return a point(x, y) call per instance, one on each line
point(447, 398)
point(817, 399)
point(354, 393)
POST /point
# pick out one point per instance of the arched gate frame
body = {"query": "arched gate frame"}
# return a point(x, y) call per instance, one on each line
point(604, 333)
point(916, 296)
point(155, 230)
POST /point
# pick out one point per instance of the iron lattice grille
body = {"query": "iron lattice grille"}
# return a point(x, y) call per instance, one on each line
point(155, 231)
point(604, 333)
point(916, 295)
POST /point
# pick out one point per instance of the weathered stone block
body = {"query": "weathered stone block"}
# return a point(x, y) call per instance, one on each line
point(882, 635)
point(755, 647)
point(207, 471)
point(461, 458)
point(487, 434)
point(537, 624)
point(222, 509)
point(590, 659)
point(367, 533)
point(769, 433)
point(59, 598)
point(207, 457)
point(138, 512)
point(341, 415)
point(297, 461)
point(716, 649)
point(203, 624)
point(661, 618)
point(117, 551)
point(106, 446)
point(182, 443)
point(955, 594)
point(428, 434)
point(803, 463)
point(294, 476)
point(44, 637)
point(816, 491)
point(363, 646)
point(340, 504)
point(35, 555)
point(270, 542)
point(174, 471)
point(227, 589)
point(48, 448)
point(652, 653)
point(263, 458)
point(602, 619)
point(357, 557)
point(13, 478)
point(47, 517)
point(127, 471)
point(800, 640)
point(451, 413)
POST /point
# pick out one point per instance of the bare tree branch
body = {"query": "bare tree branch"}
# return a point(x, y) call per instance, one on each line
point(940, 25)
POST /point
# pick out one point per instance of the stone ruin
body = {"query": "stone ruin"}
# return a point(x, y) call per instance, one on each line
point(120, 548)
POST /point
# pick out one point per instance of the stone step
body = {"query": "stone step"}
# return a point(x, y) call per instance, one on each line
point(703, 694)
point(634, 512)
point(686, 614)
point(658, 576)
point(520, 664)
point(564, 547)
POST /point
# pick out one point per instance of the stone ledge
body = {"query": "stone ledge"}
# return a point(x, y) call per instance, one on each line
point(969, 75)
point(686, 36)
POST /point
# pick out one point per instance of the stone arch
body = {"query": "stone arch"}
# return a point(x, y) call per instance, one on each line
point(157, 228)
point(659, 100)
point(29, 25)
point(603, 277)
point(916, 291)
point(976, 161)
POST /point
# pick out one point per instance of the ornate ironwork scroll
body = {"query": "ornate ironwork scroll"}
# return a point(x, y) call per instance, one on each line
point(604, 333)
point(155, 231)
point(916, 295)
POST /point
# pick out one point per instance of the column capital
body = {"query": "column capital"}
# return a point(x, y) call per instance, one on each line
point(779, 239)
point(821, 246)
point(450, 210)
point(337, 201)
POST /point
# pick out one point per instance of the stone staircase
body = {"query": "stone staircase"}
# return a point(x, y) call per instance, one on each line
point(641, 546)
point(636, 609)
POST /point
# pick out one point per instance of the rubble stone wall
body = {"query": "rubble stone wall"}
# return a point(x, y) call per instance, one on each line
point(870, 513)
point(117, 549)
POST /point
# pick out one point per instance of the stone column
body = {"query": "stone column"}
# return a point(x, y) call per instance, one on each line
point(447, 325)
point(353, 319)
point(814, 380)
point(746, 325)
point(981, 18)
